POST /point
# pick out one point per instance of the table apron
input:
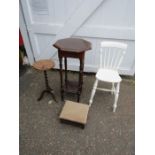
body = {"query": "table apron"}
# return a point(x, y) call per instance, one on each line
point(79, 55)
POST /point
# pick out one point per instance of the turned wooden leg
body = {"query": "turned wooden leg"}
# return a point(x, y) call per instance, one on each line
point(80, 77)
point(61, 77)
point(65, 71)
point(47, 89)
point(116, 97)
point(46, 79)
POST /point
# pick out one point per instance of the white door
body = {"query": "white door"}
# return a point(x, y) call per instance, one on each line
point(95, 21)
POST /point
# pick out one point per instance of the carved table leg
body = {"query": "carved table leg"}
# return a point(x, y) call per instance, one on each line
point(48, 89)
point(65, 72)
point(46, 80)
point(80, 76)
point(61, 76)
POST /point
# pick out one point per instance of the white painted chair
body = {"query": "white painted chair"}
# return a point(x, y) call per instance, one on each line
point(111, 56)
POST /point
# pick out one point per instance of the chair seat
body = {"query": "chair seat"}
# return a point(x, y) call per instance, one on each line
point(108, 75)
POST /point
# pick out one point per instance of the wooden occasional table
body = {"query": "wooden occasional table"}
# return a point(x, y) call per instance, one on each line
point(72, 48)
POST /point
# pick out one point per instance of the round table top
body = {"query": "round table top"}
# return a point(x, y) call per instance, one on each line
point(73, 45)
point(45, 64)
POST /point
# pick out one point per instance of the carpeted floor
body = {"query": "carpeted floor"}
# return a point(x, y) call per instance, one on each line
point(106, 133)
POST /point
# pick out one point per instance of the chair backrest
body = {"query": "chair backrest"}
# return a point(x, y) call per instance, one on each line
point(111, 54)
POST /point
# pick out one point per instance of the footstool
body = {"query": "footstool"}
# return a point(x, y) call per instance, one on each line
point(74, 112)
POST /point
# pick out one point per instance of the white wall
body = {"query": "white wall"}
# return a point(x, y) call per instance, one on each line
point(112, 20)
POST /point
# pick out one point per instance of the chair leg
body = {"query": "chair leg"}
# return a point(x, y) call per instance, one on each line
point(113, 88)
point(116, 97)
point(93, 92)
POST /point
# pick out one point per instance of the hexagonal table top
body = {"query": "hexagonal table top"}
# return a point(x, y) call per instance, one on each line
point(73, 45)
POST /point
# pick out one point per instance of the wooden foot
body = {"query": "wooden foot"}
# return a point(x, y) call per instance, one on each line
point(42, 94)
point(47, 91)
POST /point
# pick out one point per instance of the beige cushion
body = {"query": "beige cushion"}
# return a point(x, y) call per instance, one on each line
point(75, 112)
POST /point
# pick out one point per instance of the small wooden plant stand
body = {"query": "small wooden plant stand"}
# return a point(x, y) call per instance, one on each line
point(44, 65)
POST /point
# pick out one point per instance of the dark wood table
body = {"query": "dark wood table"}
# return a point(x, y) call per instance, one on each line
point(72, 48)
